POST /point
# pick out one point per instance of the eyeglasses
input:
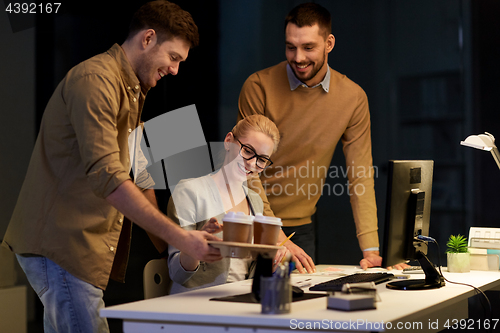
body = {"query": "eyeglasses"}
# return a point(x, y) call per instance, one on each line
point(248, 153)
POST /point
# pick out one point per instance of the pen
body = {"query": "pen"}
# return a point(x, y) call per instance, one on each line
point(283, 242)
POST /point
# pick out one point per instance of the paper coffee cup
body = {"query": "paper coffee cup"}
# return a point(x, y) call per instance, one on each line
point(237, 227)
point(266, 229)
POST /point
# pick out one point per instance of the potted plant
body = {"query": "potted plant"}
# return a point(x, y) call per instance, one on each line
point(458, 254)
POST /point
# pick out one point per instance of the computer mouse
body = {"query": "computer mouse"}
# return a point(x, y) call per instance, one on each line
point(297, 291)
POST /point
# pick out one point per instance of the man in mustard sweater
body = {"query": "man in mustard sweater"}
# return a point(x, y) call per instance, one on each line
point(314, 107)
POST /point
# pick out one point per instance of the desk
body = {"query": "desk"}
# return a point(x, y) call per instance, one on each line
point(422, 311)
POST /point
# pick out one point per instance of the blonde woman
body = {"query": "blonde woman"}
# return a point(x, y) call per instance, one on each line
point(200, 203)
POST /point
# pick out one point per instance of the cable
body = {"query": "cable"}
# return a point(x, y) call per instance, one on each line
point(426, 239)
point(432, 240)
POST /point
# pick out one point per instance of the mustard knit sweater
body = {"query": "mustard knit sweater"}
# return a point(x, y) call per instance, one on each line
point(311, 121)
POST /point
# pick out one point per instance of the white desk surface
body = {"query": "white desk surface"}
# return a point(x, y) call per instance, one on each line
point(194, 308)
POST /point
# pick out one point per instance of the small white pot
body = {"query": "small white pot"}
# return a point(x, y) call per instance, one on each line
point(458, 262)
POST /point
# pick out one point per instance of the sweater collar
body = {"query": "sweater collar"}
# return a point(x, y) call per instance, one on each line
point(295, 83)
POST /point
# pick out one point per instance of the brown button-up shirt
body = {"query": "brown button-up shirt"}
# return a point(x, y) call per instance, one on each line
point(81, 155)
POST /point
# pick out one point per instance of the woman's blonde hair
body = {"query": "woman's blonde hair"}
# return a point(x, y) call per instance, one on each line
point(258, 123)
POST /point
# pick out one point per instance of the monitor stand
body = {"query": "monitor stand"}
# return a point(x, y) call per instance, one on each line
point(433, 279)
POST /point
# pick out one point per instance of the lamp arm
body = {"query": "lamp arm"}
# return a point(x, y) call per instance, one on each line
point(496, 155)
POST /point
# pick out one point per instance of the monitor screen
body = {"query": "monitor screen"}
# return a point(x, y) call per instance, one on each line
point(408, 210)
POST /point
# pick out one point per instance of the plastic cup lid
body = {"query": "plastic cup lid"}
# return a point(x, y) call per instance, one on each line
point(238, 217)
point(267, 219)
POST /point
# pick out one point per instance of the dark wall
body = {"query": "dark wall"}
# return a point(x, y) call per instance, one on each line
point(82, 32)
point(486, 52)
point(421, 65)
point(379, 44)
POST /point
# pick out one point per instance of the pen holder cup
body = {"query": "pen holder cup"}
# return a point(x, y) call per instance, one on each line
point(275, 294)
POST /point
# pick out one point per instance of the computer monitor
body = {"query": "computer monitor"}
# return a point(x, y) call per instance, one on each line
point(408, 210)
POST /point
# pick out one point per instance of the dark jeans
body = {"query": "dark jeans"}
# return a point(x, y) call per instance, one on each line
point(305, 237)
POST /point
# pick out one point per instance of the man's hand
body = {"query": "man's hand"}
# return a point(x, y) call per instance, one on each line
point(195, 245)
point(373, 259)
point(370, 259)
point(303, 261)
point(400, 266)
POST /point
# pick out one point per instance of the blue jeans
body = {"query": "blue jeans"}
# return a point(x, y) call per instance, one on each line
point(70, 304)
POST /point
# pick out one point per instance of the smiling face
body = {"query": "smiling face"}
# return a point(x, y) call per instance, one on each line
point(236, 166)
point(307, 51)
point(158, 60)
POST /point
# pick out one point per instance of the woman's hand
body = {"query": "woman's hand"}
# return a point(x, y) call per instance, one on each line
point(303, 262)
point(212, 226)
point(280, 254)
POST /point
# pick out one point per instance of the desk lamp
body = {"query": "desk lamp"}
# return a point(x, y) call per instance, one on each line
point(484, 142)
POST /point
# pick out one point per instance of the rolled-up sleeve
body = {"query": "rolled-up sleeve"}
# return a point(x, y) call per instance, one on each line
point(143, 180)
point(93, 107)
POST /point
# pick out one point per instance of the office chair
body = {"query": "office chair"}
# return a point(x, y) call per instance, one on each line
point(156, 281)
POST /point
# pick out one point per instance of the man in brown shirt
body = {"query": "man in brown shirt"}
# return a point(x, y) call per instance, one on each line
point(68, 228)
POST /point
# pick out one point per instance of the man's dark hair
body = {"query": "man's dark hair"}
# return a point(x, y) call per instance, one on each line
point(308, 14)
point(167, 19)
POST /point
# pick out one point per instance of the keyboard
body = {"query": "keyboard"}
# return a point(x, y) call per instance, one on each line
point(336, 284)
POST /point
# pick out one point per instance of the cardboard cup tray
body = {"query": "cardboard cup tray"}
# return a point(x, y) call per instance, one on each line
point(243, 250)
